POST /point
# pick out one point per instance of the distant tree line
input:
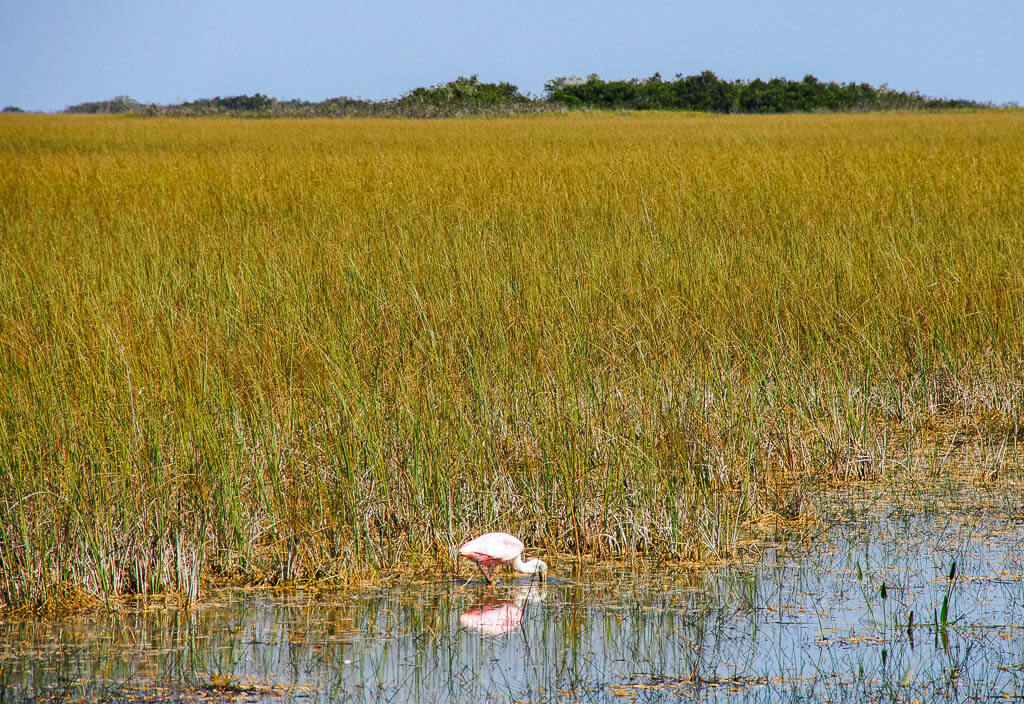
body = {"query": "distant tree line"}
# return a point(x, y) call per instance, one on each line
point(709, 93)
point(463, 96)
point(470, 96)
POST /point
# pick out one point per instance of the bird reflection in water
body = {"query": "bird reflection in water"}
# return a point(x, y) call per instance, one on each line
point(495, 617)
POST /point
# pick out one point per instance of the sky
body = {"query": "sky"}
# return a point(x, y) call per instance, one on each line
point(55, 54)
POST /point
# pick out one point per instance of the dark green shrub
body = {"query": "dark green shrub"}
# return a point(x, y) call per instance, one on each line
point(709, 93)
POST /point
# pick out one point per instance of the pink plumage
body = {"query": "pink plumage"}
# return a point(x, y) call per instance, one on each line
point(492, 550)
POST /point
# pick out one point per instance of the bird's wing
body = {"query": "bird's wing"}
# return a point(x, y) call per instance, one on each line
point(500, 546)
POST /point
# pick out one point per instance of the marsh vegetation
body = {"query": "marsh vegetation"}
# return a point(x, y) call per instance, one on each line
point(830, 619)
point(279, 351)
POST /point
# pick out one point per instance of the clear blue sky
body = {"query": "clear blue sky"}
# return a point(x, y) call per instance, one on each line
point(56, 54)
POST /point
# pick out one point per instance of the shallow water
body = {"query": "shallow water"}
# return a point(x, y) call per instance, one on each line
point(797, 624)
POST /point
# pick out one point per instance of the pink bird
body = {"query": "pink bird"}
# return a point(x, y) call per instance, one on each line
point(491, 550)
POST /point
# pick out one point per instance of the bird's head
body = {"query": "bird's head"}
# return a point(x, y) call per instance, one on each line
point(542, 568)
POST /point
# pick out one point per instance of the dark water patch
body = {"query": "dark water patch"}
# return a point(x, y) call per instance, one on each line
point(872, 608)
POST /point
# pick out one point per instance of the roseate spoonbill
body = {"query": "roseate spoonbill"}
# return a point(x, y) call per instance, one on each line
point(491, 550)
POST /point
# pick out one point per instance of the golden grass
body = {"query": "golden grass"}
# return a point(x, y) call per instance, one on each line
point(277, 350)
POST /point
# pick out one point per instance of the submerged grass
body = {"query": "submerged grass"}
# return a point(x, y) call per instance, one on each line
point(275, 350)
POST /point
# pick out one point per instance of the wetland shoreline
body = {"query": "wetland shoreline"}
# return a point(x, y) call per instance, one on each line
point(828, 618)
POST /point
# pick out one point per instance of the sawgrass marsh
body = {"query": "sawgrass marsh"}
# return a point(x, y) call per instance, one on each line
point(267, 351)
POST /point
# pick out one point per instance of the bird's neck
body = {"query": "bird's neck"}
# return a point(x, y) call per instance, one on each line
point(528, 567)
